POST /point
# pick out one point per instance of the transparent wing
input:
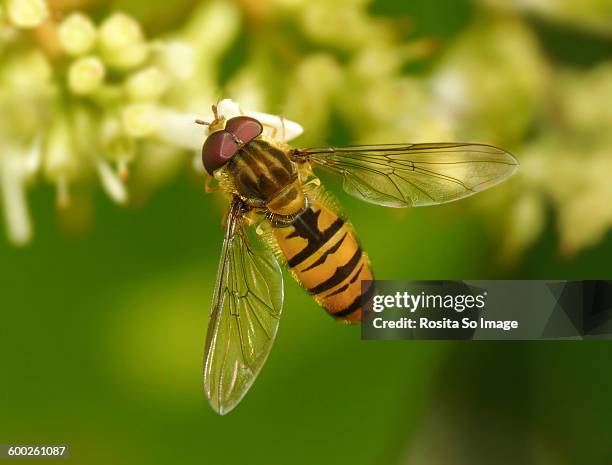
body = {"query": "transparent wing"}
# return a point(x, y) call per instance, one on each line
point(244, 316)
point(410, 175)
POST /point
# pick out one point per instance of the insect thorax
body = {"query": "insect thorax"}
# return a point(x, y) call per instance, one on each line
point(262, 173)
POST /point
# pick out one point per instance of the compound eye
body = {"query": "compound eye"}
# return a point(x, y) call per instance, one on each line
point(244, 128)
point(218, 148)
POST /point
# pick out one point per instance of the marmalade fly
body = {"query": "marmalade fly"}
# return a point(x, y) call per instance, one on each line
point(274, 191)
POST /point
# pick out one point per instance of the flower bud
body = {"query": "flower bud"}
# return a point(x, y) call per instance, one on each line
point(86, 75)
point(77, 34)
point(141, 119)
point(176, 58)
point(147, 84)
point(122, 41)
point(27, 13)
point(119, 31)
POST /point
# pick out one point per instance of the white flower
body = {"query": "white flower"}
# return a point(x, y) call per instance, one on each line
point(180, 129)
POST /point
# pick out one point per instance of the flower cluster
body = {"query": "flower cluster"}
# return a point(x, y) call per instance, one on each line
point(83, 99)
point(558, 122)
point(569, 168)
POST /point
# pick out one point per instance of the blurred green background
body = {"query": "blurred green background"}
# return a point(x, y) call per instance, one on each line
point(104, 311)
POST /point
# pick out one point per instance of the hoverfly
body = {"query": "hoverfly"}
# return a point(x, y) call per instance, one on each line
point(275, 193)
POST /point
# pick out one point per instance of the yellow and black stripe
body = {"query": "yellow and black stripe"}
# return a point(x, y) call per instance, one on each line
point(325, 257)
point(260, 170)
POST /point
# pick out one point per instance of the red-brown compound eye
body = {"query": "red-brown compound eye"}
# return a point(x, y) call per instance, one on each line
point(244, 128)
point(218, 148)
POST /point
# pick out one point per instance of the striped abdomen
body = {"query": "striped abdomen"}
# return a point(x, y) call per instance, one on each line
point(326, 258)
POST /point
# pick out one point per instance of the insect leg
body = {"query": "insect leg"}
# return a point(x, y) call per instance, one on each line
point(272, 128)
point(284, 129)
